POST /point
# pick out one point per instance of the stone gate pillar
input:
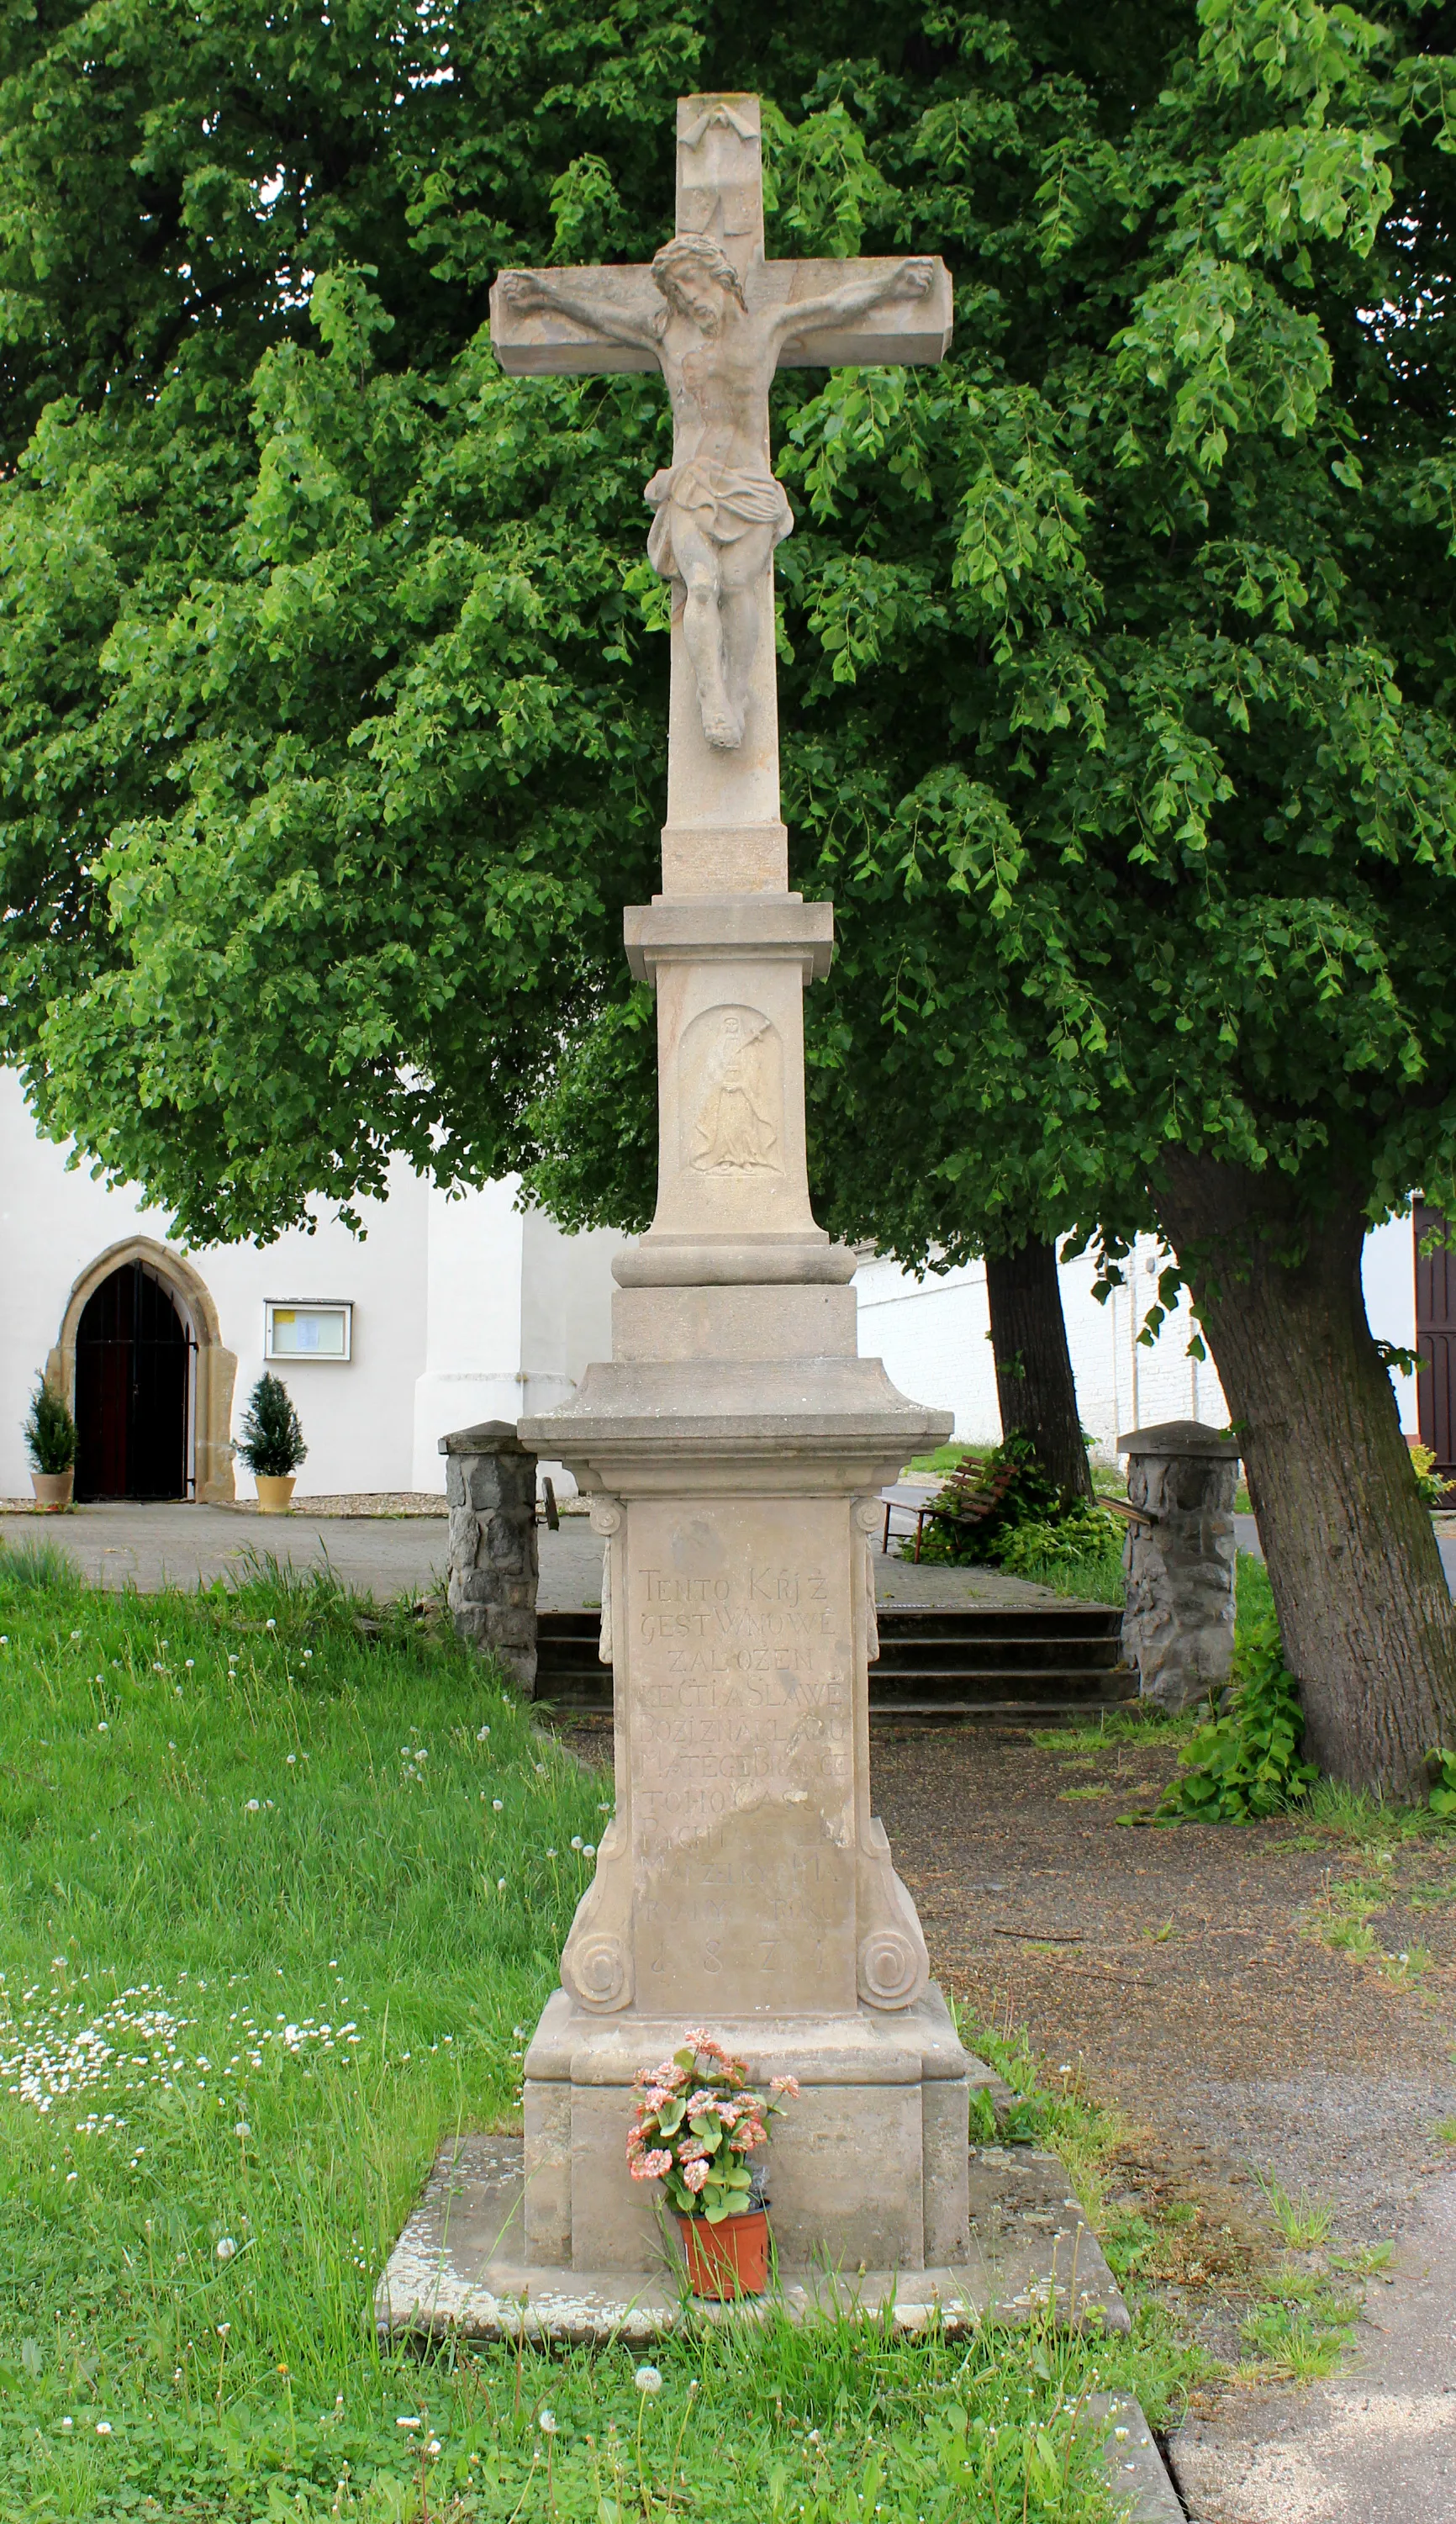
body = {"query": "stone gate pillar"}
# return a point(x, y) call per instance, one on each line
point(490, 1485)
point(1178, 1621)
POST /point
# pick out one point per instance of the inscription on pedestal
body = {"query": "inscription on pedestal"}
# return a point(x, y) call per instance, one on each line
point(741, 1710)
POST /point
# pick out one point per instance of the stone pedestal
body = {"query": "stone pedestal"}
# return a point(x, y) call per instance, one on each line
point(1180, 1561)
point(490, 1486)
point(732, 1450)
point(868, 2169)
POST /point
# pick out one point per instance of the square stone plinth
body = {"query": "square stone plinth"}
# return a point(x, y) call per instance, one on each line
point(868, 2165)
point(461, 2265)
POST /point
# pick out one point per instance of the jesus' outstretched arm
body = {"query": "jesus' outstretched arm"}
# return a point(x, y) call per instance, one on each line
point(533, 293)
point(908, 280)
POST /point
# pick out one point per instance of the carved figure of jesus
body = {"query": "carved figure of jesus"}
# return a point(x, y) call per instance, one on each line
point(719, 509)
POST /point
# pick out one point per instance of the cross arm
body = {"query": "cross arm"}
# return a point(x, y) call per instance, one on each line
point(582, 320)
point(848, 318)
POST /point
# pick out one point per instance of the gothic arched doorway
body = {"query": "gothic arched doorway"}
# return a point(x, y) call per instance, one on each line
point(133, 1377)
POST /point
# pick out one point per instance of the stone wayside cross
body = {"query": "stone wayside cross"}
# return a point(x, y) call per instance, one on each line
point(734, 1444)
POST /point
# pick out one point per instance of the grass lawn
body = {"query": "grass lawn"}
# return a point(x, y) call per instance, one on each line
point(278, 1898)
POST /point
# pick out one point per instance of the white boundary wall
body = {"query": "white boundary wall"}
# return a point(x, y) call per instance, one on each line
point(933, 1337)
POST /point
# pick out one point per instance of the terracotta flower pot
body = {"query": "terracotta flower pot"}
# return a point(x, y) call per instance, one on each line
point(730, 2258)
point(274, 1491)
point(53, 1489)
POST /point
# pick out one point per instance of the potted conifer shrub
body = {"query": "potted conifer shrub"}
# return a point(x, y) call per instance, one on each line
point(50, 1444)
point(272, 1444)
point(696, 2124)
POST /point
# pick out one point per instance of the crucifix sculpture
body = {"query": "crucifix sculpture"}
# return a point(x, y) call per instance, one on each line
point(733, 1446)
point(717, 321)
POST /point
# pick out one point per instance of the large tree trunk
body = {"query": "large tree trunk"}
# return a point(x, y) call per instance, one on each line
point(1034, 1380)
point(1364, 1609)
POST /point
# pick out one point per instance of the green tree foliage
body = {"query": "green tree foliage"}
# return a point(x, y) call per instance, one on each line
point(1115, 654)
point(1115, 659)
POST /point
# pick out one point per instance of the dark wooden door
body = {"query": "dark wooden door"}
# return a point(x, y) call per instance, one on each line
point(1436, 1340)
point(131, 1363)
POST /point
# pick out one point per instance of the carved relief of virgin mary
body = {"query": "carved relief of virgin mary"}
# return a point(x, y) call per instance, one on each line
point(736, 1131)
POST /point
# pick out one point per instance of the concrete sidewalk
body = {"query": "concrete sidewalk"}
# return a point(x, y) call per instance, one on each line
point(1246, 1536)
point(123, 1543)
point(1377, 2445)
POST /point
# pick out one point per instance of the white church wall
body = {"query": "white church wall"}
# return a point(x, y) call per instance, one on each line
point(463, 1310)
point(355, 1415)
point(472, 1295)
point(1388, 1270)
point(933, 1337)
point(516, 1310)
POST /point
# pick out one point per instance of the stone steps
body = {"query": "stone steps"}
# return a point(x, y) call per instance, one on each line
point(1042, 1664)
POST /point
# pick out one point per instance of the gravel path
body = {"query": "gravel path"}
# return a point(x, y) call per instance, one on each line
point(1183, 1974)
point(1181, 1968)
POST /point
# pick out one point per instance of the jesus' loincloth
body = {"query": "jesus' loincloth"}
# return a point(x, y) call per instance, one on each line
point(722, 503)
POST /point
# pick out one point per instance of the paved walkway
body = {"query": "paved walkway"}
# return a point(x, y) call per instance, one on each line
point(121, 1543)
point(1246, 1536)
point(1377, 2445)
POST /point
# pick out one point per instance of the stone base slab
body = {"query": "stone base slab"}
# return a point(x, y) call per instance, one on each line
point(460, 2265)
point(868, 2165)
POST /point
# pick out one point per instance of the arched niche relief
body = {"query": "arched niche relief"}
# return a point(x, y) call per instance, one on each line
point(732, 1094)
point(216, 1366)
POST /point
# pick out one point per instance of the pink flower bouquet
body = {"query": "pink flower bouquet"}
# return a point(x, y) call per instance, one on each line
point(697, 2121)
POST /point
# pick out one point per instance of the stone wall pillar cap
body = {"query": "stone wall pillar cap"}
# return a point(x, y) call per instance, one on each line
point(1179, 1437)
point(488, 1436)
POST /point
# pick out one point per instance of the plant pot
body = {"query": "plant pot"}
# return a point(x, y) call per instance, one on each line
point(729, 2259)
point(274, 1491)
point(53, 1489)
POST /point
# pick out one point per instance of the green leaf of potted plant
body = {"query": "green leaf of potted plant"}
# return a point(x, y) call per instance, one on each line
point(272, 1444)
point(697, 2121)
point(50, 1444)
